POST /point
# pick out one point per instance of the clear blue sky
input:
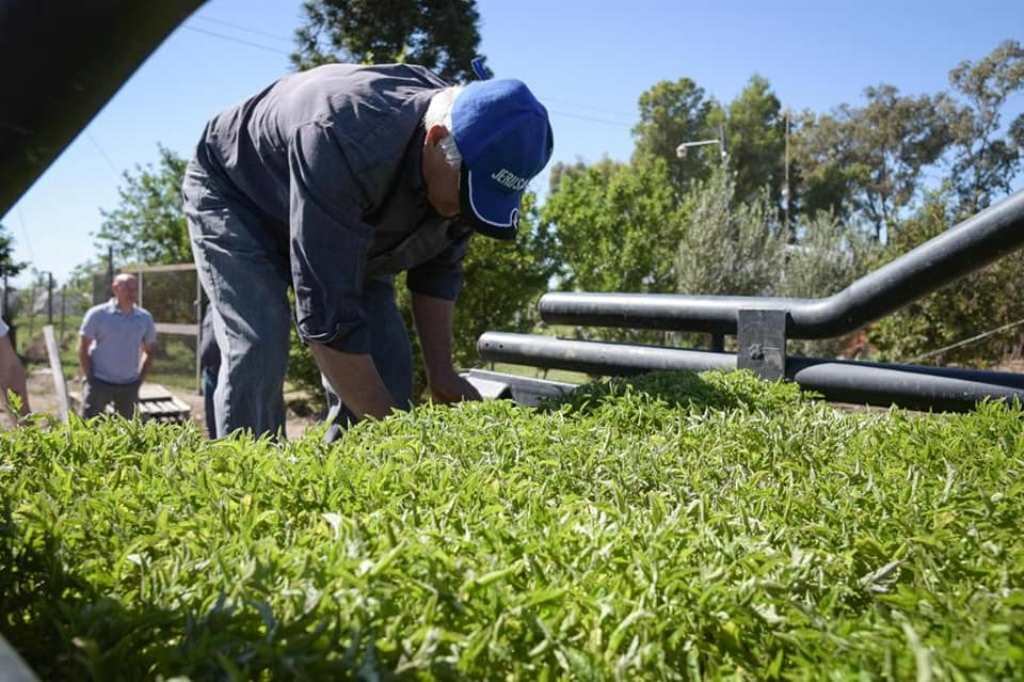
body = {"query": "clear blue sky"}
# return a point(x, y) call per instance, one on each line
point(588, 61)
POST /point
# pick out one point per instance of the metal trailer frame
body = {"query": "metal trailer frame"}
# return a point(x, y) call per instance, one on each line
point(763, 324)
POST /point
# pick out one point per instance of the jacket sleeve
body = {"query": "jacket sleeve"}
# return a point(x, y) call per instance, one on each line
point(441, 276)
point(329, 241)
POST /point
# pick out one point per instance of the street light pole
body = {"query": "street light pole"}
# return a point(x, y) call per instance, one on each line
point(682, 148)
point(49, 298)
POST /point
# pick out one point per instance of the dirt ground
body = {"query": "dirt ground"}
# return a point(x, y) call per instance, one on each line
point(43, 399)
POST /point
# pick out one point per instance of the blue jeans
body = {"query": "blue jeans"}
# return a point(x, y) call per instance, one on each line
point(246, 277)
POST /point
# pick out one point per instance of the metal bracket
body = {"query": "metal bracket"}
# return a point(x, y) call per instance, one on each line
point(761, 336)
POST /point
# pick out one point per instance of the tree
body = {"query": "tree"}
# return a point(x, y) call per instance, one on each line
point(8, 266)
point(734, 245)
point(617, 226)
point(984, 163)
point(671, 113)
point(866, 162)
point(148, 226)
point(969, 306)
point(755, 140)
point(441, 35)
point(729, 246)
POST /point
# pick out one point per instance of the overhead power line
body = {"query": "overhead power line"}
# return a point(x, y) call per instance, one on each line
point(240, 41)
point(594, 119)
point(106, 158)
point(244, 29)
point(269, 48)
point(965, 342)
point(24, 233)
point(599, 110)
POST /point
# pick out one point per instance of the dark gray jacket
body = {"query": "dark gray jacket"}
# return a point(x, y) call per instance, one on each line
point(332, 158)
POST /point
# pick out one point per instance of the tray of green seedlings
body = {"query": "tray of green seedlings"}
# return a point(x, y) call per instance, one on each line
point(673, 526)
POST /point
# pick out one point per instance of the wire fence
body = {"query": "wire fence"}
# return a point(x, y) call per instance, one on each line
point(169, 292)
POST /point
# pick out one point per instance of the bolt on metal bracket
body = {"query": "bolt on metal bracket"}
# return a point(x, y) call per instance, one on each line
point(761, 337)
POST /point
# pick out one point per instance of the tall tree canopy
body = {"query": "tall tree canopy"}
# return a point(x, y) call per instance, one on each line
point(618, 226)
point(671, 113)
point(755, 139)
point(866, 162)
point(148, 225)
point(8, 266)
point(986, 159)
point(441, 35)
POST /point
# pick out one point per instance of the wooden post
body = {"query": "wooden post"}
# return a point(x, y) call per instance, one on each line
point(58, 372)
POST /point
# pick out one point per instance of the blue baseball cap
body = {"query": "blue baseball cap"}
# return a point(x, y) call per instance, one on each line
point(505, 139)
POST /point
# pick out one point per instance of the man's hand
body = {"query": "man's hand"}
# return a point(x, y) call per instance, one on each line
point(356, 381)
point(84, 361)
point(449, 387)
point(434, 324)
point(146, 360)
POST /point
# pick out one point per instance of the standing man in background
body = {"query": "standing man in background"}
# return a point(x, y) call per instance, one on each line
point(118, 339)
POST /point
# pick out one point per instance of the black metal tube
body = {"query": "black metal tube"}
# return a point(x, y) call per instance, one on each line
point(913, 386)
point(62, 61)
point(593, 357)
point(969, 246)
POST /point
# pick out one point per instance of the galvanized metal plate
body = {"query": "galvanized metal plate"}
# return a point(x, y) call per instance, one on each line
point(761, 336)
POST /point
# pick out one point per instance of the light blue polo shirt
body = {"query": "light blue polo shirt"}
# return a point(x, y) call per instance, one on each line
point(117, 340)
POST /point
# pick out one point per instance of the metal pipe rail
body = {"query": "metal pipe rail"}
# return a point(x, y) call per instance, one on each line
point(911, 386)
point(969, 246)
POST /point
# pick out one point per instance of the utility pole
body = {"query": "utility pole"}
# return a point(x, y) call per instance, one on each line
point(31, 311)
point(110, 266)
point(785, 186)
point(49, 298)
point(63, 310)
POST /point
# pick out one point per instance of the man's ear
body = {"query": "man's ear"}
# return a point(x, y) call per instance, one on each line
point(435, 134)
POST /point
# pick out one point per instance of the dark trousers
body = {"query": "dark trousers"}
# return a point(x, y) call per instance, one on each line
point(97, 394)
point(209, 388)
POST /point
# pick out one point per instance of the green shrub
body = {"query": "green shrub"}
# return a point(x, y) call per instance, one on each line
point(981, 302)
point(668, 527)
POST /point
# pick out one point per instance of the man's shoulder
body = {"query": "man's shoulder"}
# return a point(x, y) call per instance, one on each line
point(397, 79)
point(375, 119)
point(98, 309)
point(143, 313)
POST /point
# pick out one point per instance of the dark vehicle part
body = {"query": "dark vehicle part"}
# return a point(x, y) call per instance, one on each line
point(62, 61)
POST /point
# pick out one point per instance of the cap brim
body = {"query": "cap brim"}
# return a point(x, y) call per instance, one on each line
point(494, 213)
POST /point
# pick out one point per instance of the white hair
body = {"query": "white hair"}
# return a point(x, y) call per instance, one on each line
point(440, 113)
